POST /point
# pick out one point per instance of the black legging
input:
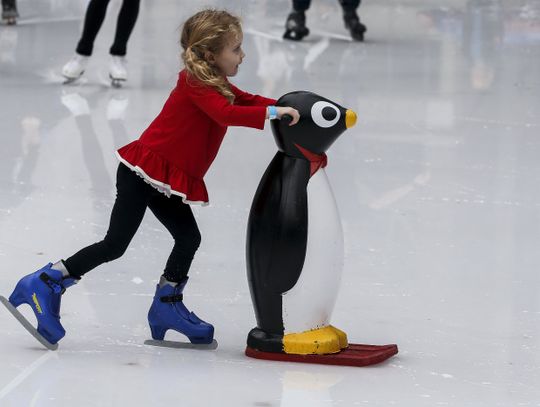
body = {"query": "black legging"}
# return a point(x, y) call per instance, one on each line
point(95, 14)
point(348, 5)
point(132, 197)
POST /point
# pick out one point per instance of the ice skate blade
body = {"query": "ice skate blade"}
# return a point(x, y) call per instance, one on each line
point(182, 345)
point(68, 80)
point(116, 82)
point(27, 325)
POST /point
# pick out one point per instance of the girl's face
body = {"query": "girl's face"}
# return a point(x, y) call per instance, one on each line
point(230, 57)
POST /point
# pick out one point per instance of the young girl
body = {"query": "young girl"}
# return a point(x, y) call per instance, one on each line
point(163, 170)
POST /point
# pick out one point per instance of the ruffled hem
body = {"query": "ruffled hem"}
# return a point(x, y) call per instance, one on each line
point(162, 175)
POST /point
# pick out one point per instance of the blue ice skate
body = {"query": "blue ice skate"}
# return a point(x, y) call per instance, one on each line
point(169, 312)
point(42, 290)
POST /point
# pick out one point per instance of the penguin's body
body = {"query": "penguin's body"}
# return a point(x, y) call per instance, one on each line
point(277, 238)
point(294, 237)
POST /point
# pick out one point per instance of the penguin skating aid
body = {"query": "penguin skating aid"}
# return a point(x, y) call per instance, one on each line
point(295, 245)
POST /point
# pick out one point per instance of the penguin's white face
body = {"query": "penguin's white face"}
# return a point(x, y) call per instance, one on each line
point(325, 114)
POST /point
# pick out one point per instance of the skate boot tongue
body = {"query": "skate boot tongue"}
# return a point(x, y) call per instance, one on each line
point(181, 285)
point(55, 285)
point(169, 294)
point(56, 281)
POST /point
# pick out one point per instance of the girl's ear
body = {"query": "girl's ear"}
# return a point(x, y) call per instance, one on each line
point(209, 57)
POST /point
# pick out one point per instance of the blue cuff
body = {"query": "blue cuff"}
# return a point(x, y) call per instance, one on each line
point(272, 112)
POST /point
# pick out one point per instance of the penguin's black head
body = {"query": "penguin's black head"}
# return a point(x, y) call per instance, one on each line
point(321, 123)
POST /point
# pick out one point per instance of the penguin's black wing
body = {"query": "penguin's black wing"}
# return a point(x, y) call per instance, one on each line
point(277, 231)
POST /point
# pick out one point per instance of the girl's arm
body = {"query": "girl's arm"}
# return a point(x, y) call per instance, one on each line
point(219, 109)
point(247, 99)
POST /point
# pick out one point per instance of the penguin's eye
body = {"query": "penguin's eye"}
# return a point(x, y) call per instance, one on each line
point(328, 113)
point(325, 114)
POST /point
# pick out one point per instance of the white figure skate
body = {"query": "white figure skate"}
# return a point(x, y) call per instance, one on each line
point(117, 71)
point(75, 68)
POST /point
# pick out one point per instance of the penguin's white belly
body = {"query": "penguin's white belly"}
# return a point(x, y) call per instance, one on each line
point(309, 304)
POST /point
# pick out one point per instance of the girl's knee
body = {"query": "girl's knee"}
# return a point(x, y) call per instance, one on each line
point(191, 240)
point(114, 250)
point(197, 238)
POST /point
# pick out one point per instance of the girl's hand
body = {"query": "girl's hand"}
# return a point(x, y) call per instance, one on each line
point(281, 111)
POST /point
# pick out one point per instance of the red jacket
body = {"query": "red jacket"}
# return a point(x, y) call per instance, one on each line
point(176, 150)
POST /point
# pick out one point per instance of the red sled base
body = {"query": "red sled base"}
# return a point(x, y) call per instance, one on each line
point(354, 355)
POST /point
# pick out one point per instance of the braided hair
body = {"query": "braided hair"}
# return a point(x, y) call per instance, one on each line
point(209, 30)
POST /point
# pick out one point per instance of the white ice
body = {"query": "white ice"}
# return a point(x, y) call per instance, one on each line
point(437, 186)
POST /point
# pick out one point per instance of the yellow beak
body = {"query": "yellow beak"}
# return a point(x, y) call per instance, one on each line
point(350, 118)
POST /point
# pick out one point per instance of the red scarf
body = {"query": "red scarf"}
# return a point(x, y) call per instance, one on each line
point(316, 161)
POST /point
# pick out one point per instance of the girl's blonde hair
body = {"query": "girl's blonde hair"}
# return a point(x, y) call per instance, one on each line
point(208, 31)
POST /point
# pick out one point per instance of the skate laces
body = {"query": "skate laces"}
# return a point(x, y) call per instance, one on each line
point(54, 285)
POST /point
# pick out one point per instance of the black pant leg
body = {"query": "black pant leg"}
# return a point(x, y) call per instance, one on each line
point(133, 195)
point(124, 26)
point(349, 5)
point(301, 5)
point(178, 218)
point(95, 14)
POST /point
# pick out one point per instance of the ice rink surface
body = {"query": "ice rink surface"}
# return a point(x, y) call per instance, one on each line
point(437, 185)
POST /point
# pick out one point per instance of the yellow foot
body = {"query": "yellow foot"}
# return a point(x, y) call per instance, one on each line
point(343, 342)
point(319, 342)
